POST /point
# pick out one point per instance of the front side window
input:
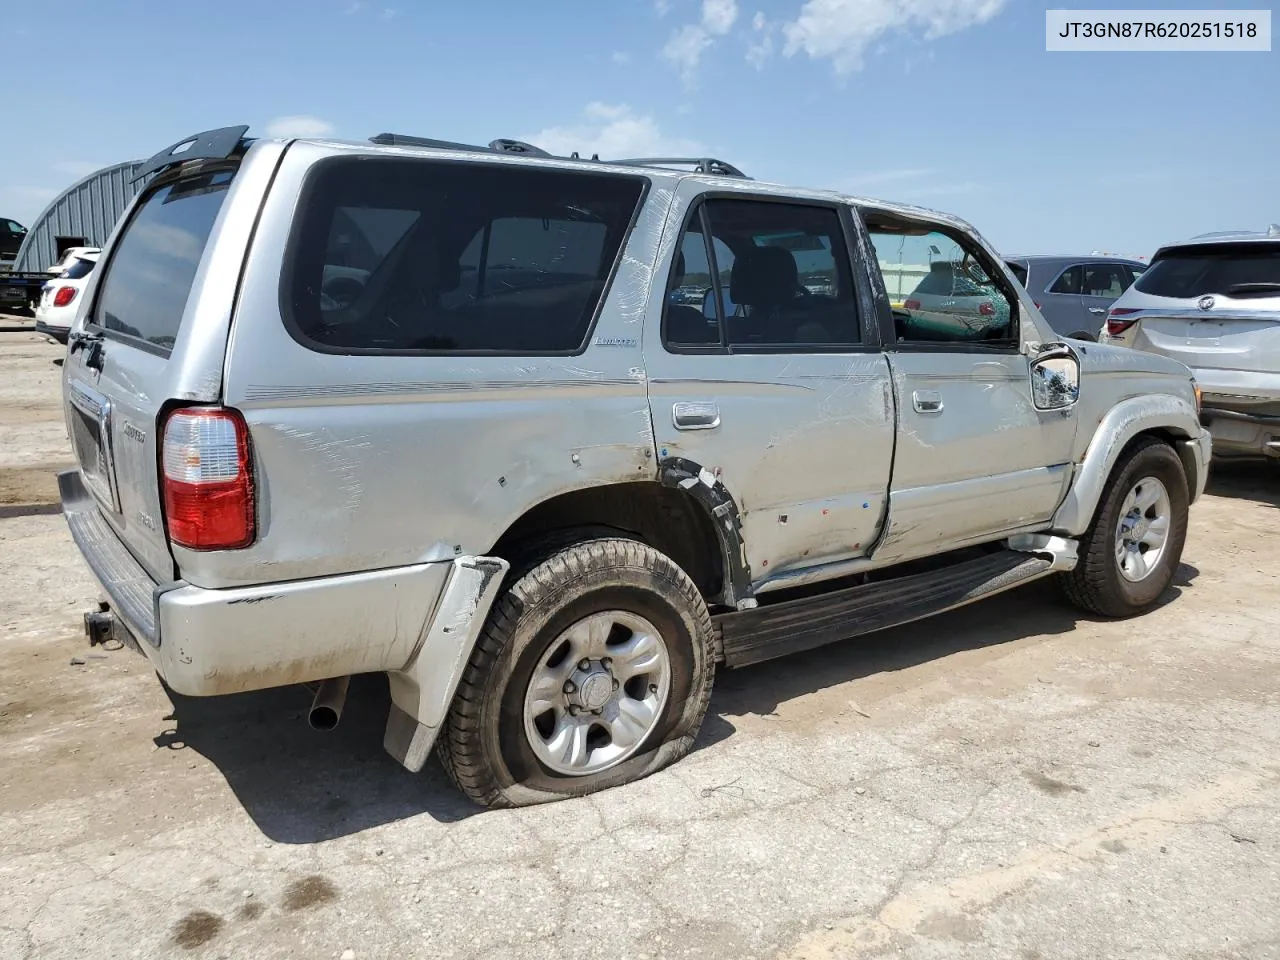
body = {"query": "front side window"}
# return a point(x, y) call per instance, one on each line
point(774, 277)
point(939, 287)
point(148, 279)
point(408, 256)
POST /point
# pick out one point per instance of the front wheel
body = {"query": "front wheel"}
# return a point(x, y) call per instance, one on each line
point(1131, 551)
point(594, 669)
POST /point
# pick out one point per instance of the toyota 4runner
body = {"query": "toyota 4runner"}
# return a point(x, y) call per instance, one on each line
point(438, 411)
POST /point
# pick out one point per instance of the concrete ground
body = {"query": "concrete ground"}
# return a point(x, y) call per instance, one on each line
point(1012, 780)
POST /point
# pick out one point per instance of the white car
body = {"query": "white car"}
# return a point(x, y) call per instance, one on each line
point(69, 256)
point(60, 298)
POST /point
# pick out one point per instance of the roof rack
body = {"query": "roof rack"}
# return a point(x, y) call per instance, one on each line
point(704, 165)
point(700, 165)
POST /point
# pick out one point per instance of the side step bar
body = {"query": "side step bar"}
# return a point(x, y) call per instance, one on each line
point(765, 632)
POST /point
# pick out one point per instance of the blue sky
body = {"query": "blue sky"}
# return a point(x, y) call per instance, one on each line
point(951, 103)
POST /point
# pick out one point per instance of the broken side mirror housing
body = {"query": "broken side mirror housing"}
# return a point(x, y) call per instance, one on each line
point(1055, 377)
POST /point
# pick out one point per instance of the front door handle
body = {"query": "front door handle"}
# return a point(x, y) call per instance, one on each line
point(927, 401)
point(695, 416)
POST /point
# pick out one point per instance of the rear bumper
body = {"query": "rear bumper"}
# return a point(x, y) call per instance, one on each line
point(1239, 431)
point(57, 333)
point(206, 642)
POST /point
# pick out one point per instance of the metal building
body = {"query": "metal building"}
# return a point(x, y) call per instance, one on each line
point(83, 215)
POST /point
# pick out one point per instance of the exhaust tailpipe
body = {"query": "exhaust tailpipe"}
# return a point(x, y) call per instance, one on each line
point(326, 708)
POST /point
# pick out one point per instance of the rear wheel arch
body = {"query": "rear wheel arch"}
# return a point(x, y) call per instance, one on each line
point(672, 516)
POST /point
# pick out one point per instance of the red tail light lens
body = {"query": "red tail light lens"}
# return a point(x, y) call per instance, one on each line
point(1116, 322)
point(987, 309)
point(208, 479)
point(64, 296)
point(911, 304)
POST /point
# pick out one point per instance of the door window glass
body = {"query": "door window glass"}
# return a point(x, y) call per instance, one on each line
point(1104, 280)
point(1068, 282)
point(783, 280)
point(939, 289)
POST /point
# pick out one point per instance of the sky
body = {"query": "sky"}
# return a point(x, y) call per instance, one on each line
point(953, 104)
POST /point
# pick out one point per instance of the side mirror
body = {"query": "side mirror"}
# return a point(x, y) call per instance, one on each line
point(1055, 377)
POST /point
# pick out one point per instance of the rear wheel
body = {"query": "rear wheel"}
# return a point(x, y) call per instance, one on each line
point(594, 670)
point(1130, 552)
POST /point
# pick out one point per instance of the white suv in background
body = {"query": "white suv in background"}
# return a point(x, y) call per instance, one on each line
point(60, 298)
point(1213, 302)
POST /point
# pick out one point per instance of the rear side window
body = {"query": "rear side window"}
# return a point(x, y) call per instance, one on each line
point(148, 279)
point(79, 269)
point(1068, 281)
point(1229, 269)
point(423, 256)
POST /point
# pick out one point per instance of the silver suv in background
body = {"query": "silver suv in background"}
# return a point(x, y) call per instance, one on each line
point(1075, 293)
point(1213, 303)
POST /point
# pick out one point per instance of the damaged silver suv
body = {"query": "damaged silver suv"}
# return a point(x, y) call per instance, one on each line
point(546, 440)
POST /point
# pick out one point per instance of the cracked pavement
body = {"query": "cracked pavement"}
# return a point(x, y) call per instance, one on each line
point(1010, 780)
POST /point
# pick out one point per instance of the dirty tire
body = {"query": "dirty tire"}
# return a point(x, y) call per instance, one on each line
point(1095, 585)
point(483, 745)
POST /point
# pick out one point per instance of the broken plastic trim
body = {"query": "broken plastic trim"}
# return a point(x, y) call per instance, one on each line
point(701, 484)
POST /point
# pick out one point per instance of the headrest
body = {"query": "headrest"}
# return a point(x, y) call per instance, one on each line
point(764, 277)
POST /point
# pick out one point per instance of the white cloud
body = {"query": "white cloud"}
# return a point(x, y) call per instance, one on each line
point(686, 45)
point(354, 8)
point(620, 57)
point(718, 16)
point(890, 176)
point(663, 7)
point(615, 132)
point(388, 13)
point(841, 30)
point(299, 126)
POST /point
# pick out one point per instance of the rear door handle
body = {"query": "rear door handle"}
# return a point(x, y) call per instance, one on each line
point(688, 415)
point(1097, 310)
point(926, 401)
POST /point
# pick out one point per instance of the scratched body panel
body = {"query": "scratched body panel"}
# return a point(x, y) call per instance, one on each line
point(368, 462)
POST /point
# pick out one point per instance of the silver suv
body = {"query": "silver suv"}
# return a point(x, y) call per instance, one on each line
point(432, 410)
point(1213, 303)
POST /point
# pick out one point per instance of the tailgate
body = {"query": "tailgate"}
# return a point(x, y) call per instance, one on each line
point(1246, 341)
point(153, 334)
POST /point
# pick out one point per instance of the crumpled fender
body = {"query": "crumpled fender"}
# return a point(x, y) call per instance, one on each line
point(1121, 424)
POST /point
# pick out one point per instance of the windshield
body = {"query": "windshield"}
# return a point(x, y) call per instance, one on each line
point(1234, 269)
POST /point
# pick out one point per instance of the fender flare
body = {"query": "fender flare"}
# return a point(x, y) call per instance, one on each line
point(1118, 428)
point(722, 510)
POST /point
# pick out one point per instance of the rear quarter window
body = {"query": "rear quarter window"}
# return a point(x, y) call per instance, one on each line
point(393, 255)
point(1229, 269)
point(1018, 270)
point(147, 281)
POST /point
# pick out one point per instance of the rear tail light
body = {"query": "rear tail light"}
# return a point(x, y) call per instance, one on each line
point(64, 296)
point(1037, 304)
point(208, 479)
point(911, 304)
point(1116, 322)
point(987, 309)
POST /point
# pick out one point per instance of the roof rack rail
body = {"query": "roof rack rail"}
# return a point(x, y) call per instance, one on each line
point(700, 164)
point(704, 165)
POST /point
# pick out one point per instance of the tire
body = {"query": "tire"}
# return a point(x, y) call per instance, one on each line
point(490, 741)
point(1098, 584)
